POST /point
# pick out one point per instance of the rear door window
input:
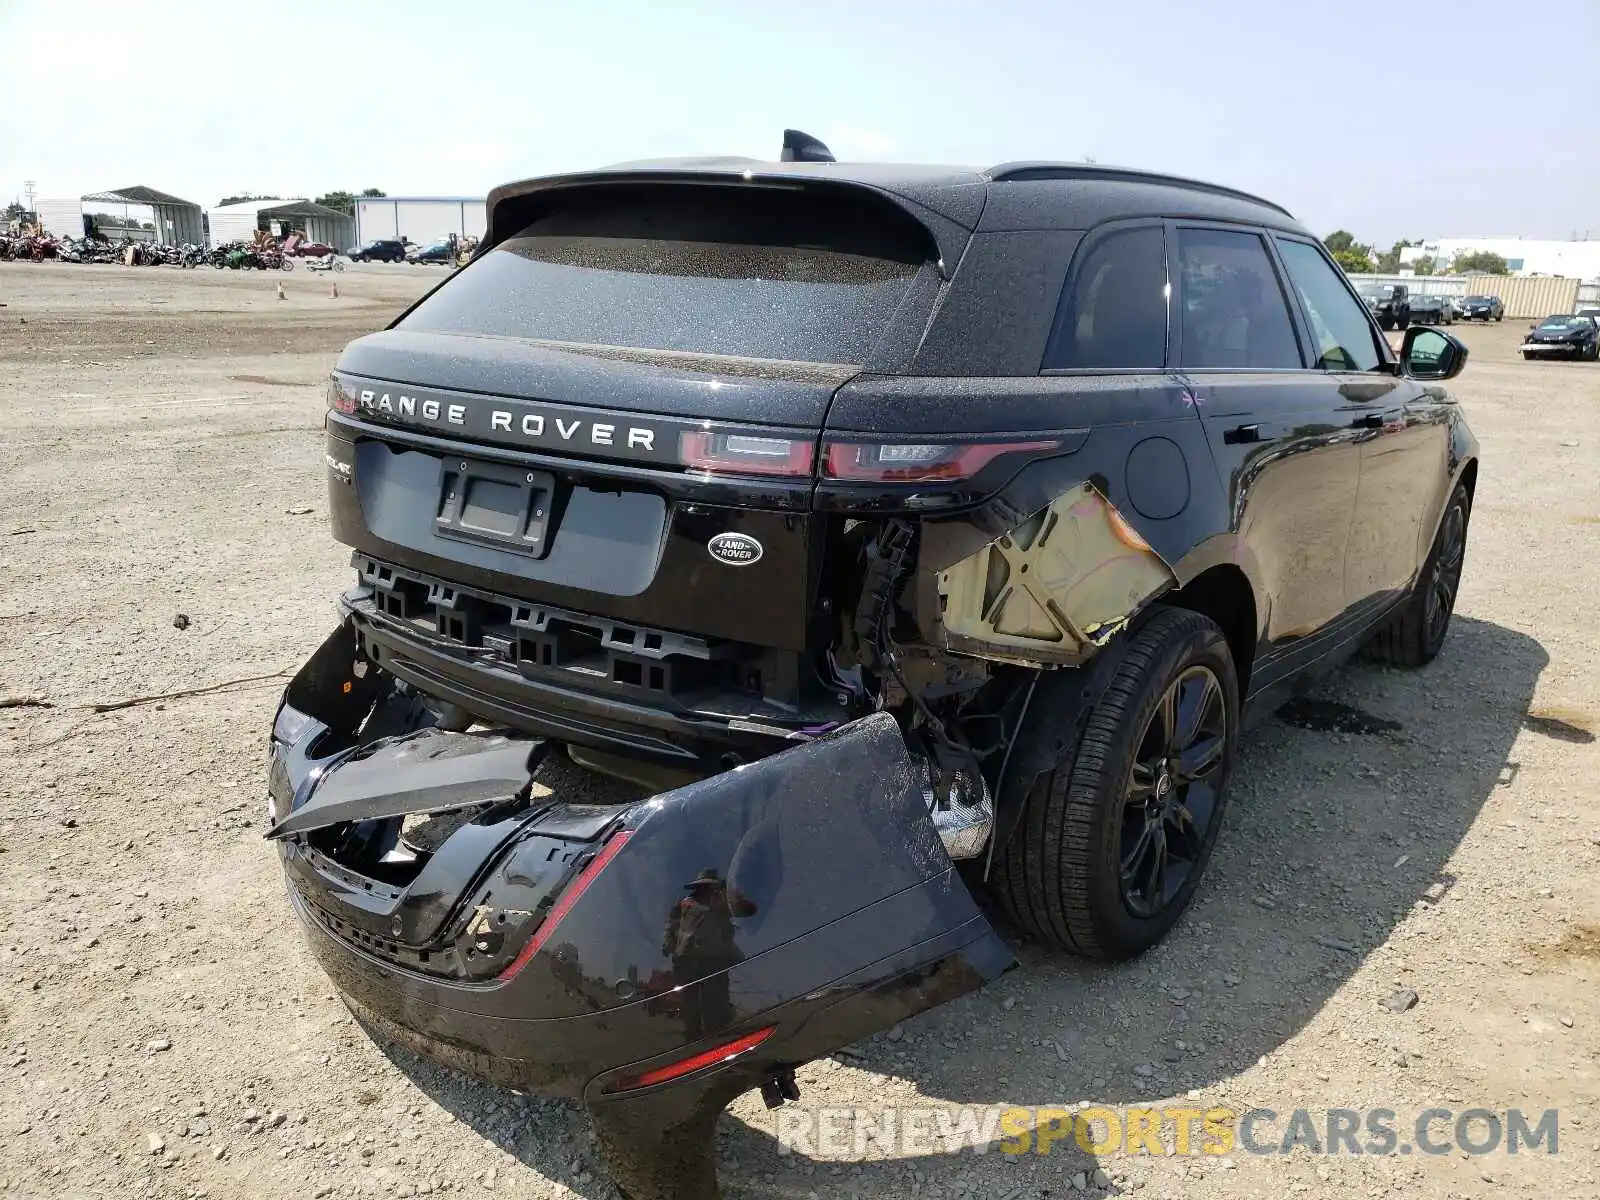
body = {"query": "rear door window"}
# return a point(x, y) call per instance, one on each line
point(1113, 313)
point(1233, 311)
point(1339, 325)
point(750, 274)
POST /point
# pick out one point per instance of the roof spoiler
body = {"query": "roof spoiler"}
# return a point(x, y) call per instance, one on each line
point(511, 205)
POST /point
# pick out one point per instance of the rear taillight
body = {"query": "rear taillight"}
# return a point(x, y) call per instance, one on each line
point(745, 454)
point(918, 462)
point(687, 1066)
point(340, 400)
point(563, 906)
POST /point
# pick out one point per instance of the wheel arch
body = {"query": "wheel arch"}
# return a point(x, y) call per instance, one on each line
point(1468, 478)
point(1057, 701)
point(1224, 593)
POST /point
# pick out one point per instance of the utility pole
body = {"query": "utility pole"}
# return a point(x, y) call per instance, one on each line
point(28, 190)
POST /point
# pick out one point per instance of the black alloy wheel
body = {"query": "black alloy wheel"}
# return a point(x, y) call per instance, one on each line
point(1172, 792)
point(1116, 830)
point(1446, 578)
point(1415, 635)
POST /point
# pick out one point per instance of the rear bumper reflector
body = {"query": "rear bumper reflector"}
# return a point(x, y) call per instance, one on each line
point(687, 1066)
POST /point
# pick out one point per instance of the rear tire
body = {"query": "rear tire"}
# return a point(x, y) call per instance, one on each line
point(1416, 634)
point(1115, 837)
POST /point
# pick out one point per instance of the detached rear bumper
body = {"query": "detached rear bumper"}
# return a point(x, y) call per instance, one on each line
point(653, 959)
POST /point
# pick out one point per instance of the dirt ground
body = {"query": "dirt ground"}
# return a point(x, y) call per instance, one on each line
point(164, 1033)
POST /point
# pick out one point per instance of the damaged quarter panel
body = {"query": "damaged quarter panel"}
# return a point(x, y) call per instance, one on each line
point(1040, 559)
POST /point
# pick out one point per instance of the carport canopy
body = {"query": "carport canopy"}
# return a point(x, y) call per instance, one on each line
point(176, 220)
point(321, 223)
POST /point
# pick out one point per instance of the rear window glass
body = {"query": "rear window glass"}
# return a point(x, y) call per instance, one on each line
point(751, 274)
point(1113, 315)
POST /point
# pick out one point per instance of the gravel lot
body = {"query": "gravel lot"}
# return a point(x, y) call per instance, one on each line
point(163, 1033)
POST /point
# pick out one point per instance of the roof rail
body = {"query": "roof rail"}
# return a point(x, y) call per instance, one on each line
point(1014, 172)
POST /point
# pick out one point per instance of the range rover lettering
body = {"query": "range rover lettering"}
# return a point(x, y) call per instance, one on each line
point(901, 533)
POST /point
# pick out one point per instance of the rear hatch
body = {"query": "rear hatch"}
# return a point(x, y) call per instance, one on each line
point(616, 410)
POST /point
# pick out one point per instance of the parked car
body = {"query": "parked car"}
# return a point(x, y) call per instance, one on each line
point(1432, 310)
point(312, 250)
point(1590, 310)
point(872, 519)
point(1566, 335)
point(1390, 304)
point(379, 250)
point(1482, 308)
point(442, 253)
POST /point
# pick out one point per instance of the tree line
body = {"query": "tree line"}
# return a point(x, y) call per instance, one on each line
point(1358, 258)
point(344, 202)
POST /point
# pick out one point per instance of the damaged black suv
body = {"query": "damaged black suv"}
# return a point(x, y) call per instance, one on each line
point(872, 519)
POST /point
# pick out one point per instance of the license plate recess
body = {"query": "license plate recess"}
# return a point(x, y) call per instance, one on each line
point(495, 504)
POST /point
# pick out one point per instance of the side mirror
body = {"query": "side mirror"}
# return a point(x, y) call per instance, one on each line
point(1428, 353)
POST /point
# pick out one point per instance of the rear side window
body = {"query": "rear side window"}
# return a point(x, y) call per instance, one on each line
point(1114, 312)
point(698, 270)
point(1339, 325)
point(1233, 310)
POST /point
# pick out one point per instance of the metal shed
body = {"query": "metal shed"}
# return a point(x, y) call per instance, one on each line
point(176, 220)
point(64, 218)
point(422, 219)
point(239, 222)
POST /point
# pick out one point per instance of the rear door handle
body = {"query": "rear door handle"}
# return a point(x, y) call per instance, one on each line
point(1242, 433)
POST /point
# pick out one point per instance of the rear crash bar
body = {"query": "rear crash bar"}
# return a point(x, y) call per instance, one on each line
point(653, 959)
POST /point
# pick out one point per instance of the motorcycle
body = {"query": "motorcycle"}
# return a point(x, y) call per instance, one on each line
point(328, 262)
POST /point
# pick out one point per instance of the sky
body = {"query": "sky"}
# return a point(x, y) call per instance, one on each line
point(1391, 120)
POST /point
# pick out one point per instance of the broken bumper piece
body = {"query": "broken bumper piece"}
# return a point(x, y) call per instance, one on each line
point(653, 959)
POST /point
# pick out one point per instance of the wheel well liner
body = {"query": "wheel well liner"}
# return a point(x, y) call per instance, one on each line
point(1224, 594)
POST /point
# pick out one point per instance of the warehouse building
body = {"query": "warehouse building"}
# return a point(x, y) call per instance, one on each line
point(1524, 256)
point(421, 219)
point(239, 222)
